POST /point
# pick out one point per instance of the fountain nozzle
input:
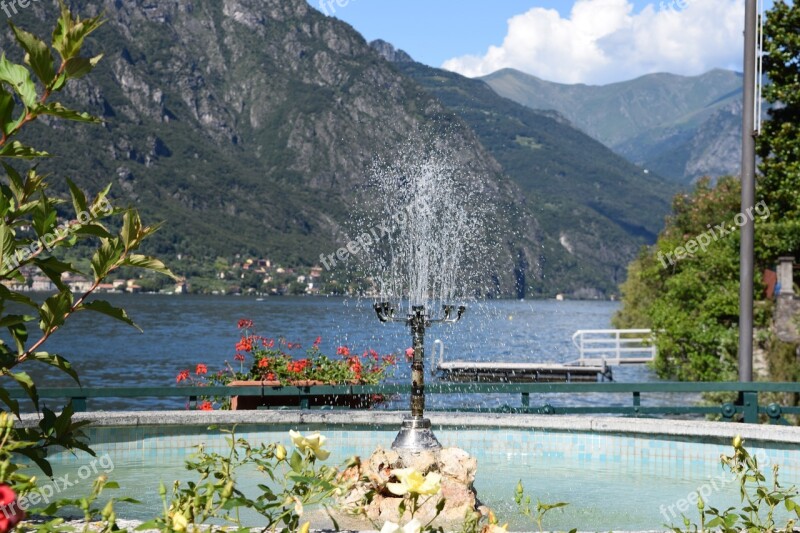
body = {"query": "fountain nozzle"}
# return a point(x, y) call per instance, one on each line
point(384, 311)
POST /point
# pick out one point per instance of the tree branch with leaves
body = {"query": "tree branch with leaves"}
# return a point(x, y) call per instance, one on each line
point(28, 215)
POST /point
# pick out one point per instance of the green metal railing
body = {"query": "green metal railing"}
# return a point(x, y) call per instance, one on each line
point(747, 408)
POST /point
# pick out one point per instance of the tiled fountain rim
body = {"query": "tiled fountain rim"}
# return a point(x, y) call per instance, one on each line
point(389, 419)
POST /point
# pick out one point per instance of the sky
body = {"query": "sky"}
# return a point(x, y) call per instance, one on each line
point(567, 41)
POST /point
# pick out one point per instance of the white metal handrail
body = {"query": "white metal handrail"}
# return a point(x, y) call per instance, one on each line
point(609, 347)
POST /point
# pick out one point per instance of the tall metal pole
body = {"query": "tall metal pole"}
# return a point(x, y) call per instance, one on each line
point(746, 268)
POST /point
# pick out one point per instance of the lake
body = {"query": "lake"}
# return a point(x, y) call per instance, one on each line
point(181, 331)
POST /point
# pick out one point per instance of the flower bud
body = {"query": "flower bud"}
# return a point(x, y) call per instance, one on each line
point(280, 452)
point(227, 490)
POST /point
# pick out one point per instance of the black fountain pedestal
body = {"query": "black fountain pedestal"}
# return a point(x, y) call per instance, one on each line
point(415, 433)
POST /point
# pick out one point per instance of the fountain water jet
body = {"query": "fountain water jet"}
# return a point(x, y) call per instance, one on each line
point(433, 227)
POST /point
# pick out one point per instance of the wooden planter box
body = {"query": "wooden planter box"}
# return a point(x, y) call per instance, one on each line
point(292, 397)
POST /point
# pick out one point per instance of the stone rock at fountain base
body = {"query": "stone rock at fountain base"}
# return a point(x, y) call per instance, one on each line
point(370, 496)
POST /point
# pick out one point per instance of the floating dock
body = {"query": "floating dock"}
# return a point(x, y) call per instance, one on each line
point(599, 350)
point(497, 372)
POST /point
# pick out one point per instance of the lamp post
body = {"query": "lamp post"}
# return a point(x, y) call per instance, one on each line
point(415, 433)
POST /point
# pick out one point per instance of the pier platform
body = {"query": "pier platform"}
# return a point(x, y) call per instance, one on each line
point(499, 372)
point(598, 352)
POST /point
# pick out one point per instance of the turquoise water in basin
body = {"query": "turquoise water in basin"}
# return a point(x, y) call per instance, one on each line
point(610, 481)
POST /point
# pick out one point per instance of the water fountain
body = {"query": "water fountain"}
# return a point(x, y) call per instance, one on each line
point(433, 226)
point(433, 236)
point(415, 433)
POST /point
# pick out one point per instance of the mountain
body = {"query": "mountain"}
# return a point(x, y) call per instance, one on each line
point(597, 206)
point(681, 127)
point(251, 127)
point(248, 126)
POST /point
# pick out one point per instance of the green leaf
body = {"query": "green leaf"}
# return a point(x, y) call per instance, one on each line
point(106, 257)
point(15, 182)
point(7, 122)
point(149, 263)
point(20, 79)
point(5, 397)
point(78, 67)
point(13, 320)
point(53, 311)
point(95, 230)
point(131, 228)
point(8, 244)
point(25, 381)
point(7, 294)
point(102, 306)
point(19, 332)
point(37, 455)
point(58, 110)
point(78, 198)
point(53, 268)
point(58, 362)
point(19, 150)
point(296, 462)
point(37, 54)
point(44, 217)
point(70, 32)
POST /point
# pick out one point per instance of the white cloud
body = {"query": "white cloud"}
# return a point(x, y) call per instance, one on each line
point(604, 41)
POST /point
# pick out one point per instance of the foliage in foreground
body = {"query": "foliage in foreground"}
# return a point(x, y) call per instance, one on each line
point(759, 500)
point(293, 481)
point(33, 242)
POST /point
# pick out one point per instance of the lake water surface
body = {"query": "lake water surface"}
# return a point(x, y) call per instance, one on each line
point(181, 331)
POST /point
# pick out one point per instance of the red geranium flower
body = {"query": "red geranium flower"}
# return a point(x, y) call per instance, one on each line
point(245, 323)
point(244, 345)
point(409, 353)
point(263, 363)
point(184, 374)
point(374, 354)
point(270, 377)
point(343, 350)
point(317, 342)
point(201, 369)
point(268, 343)
point(11, 514)
point(238, 357)
point(206, 406)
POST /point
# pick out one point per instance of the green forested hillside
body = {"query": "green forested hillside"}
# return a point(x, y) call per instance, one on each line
point(681, 127)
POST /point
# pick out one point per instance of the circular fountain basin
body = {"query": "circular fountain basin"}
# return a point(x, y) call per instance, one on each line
point(622, 474)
